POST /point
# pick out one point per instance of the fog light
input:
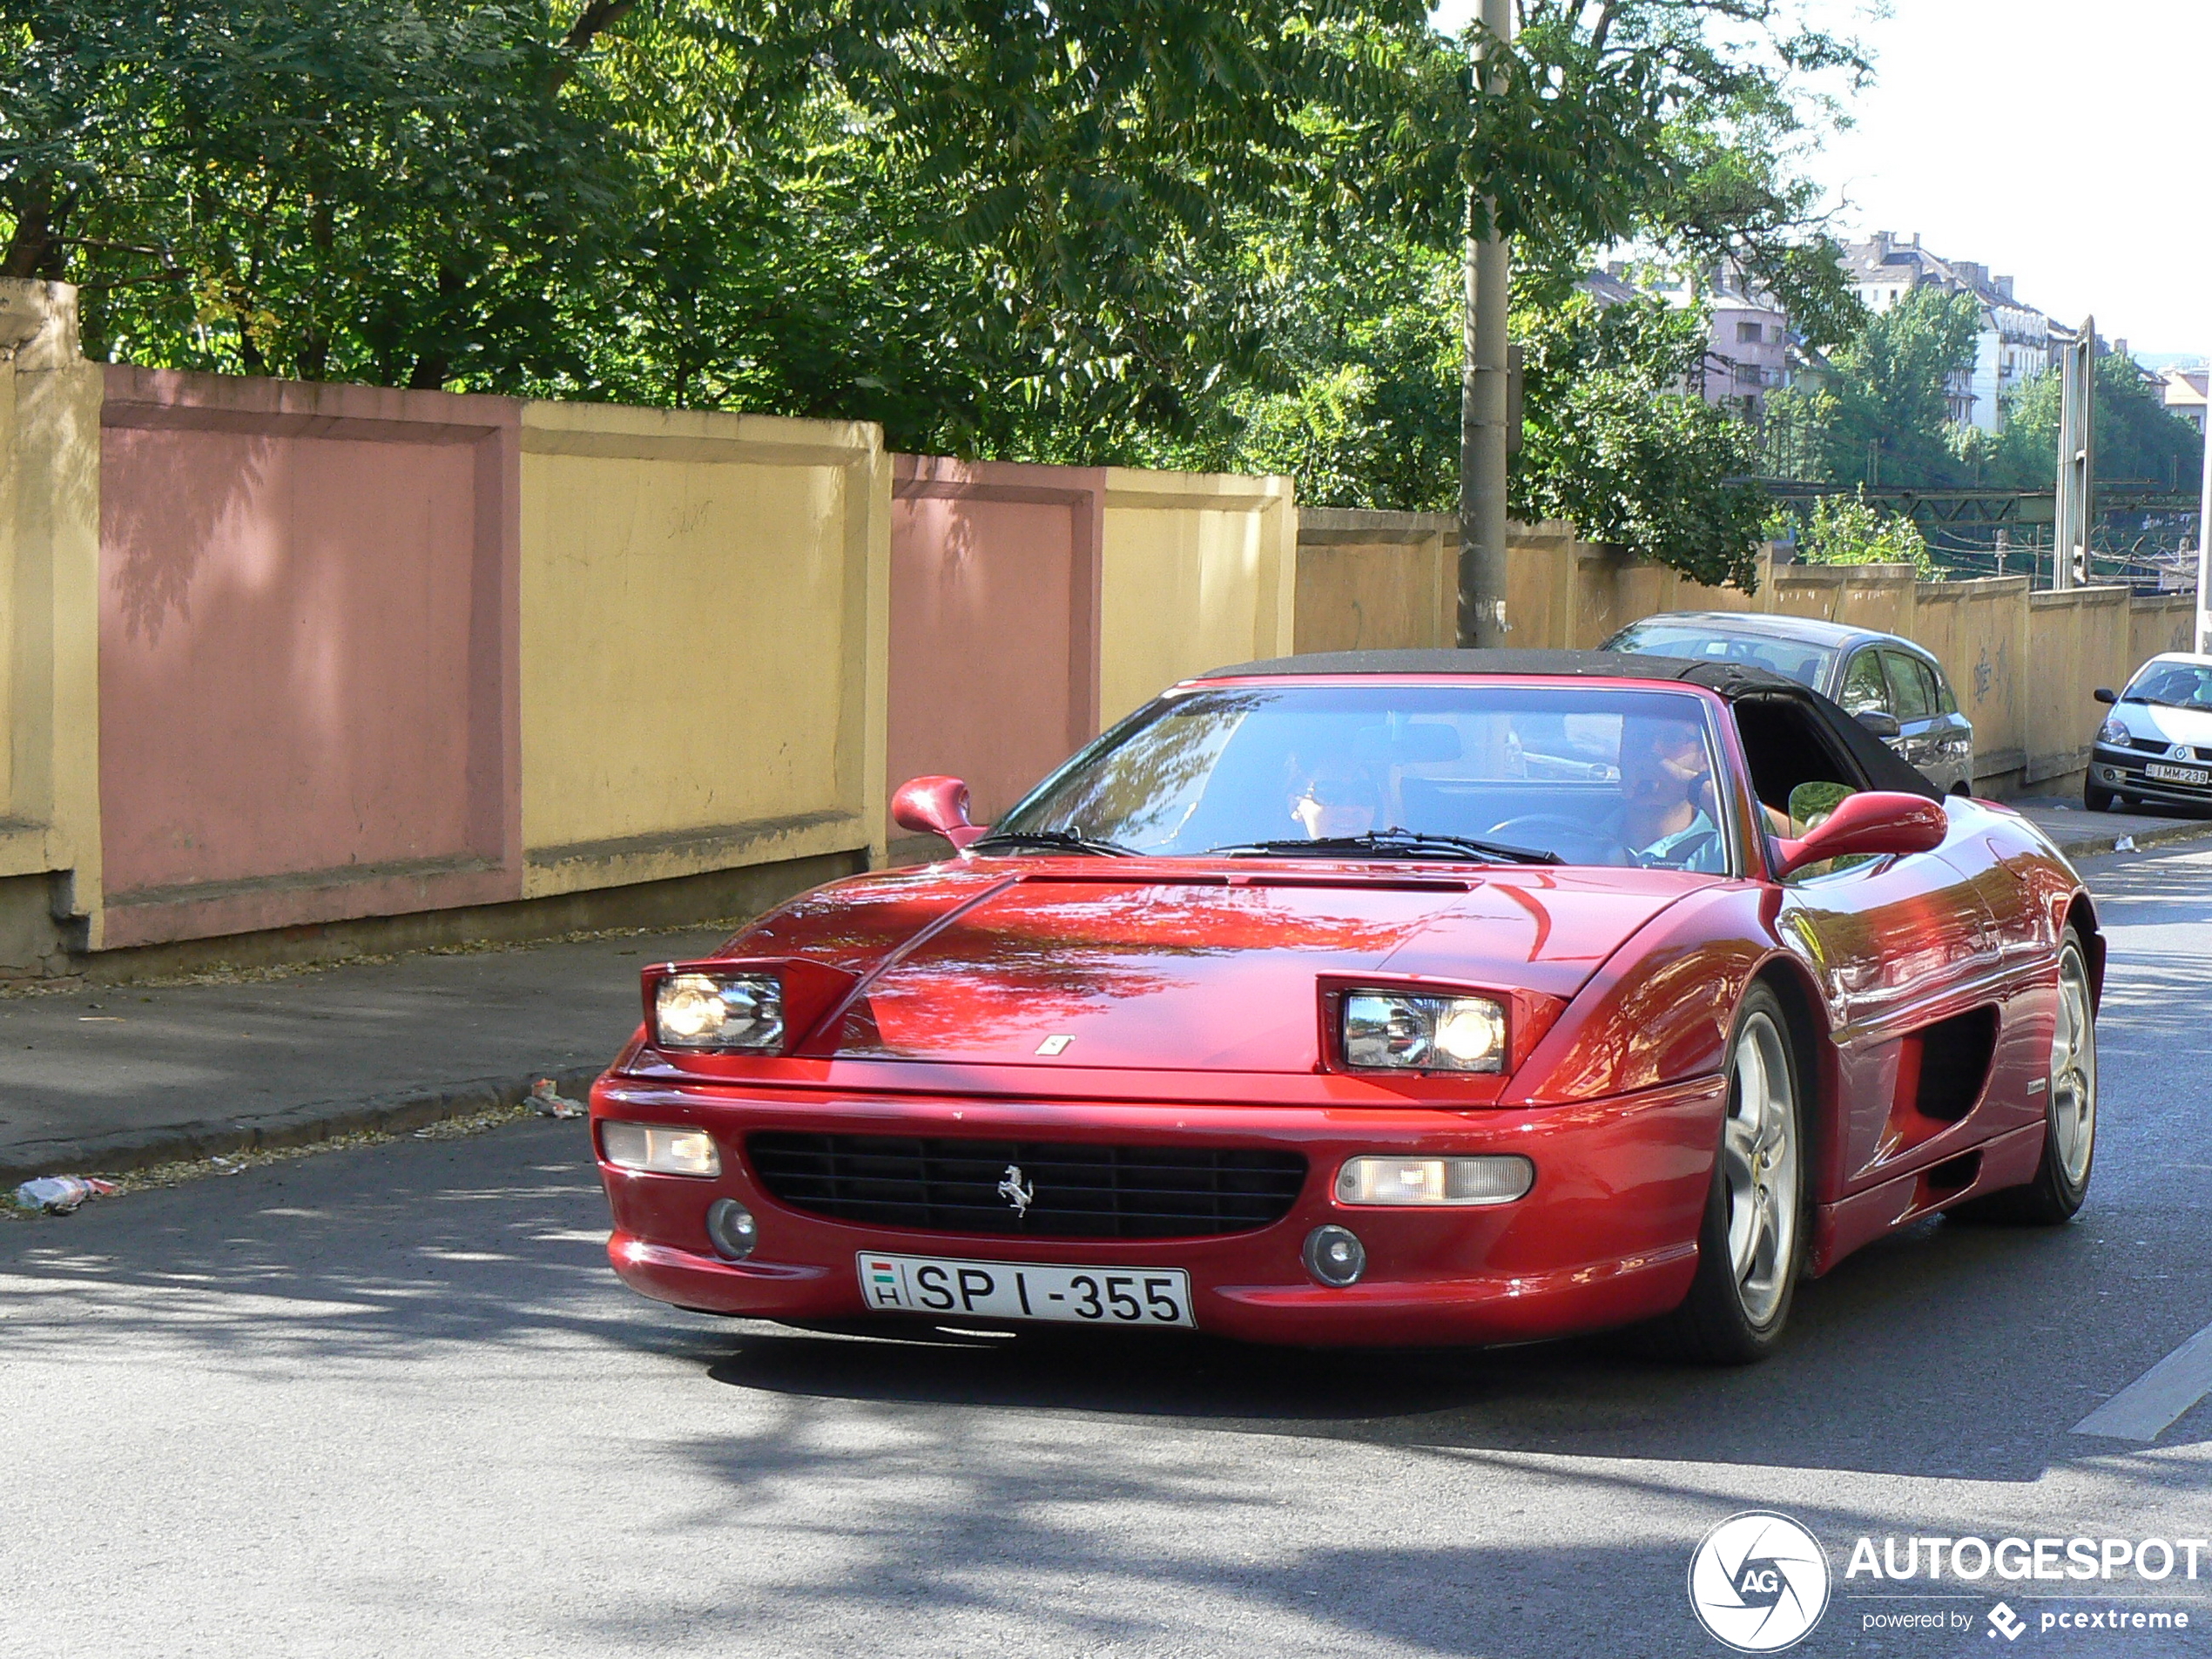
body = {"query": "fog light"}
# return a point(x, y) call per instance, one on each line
point(731, 1227)
point(1378, 1180)
point(1335, 1255)
point(659, 1149)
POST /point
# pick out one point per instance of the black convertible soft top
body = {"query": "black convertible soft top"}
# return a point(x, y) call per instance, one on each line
point(1733, 682)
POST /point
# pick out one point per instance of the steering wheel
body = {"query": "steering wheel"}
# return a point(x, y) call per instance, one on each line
point(1576, 843)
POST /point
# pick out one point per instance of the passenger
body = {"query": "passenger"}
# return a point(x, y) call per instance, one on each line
point(1336, 799)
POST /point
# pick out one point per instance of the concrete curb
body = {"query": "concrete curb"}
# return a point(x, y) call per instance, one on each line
point(2090, 847)
point(294, 1126)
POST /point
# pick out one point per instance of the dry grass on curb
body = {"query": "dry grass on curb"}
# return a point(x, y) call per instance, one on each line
point(228, 973)
point(183, 1171)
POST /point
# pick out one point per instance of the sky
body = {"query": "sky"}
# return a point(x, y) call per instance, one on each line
point(2064, 144)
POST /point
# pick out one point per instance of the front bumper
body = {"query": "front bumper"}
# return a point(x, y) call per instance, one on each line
point(2123, 771)
point(1607, 1236)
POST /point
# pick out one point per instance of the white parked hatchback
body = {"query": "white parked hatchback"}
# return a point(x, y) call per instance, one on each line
point(2157, 745)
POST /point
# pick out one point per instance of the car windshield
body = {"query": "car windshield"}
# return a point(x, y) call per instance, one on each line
point(1805, 663)
point(1479, 771)
point(2178, 685)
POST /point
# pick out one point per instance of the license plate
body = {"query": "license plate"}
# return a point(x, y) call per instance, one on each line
point(1157, 1296)
point(2180, 775)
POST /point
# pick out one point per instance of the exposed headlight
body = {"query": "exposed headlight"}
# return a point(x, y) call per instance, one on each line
point(1379, 1180)
point(719, 1011)
point(2113, 732)
point(1400, 1032)
point(659, 1149)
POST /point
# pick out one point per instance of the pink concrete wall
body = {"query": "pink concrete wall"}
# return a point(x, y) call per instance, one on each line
point(308, 649)
point(994, 582)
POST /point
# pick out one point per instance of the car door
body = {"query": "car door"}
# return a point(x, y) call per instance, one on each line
point(1895, 943)
point(1956, 739)
point(1864, 685)
point(1922, 738)
point(1933, 735)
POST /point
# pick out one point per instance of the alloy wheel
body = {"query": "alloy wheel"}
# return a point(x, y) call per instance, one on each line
point(2074, 1071)
point(1760, 1166)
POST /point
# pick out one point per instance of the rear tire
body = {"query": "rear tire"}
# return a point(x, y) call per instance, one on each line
point(2096, 798)
point(1751, 1245)
point(2061, 1180)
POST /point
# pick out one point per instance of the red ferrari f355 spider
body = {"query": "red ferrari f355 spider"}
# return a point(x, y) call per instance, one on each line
point(1378, 998)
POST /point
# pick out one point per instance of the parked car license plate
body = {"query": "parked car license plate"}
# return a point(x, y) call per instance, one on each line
point(1027, 1290)
point(2195, 775)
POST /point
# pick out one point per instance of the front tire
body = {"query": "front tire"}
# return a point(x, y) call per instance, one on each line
point(1751, 1245)
point(2096, 797)
point(2061, 1180)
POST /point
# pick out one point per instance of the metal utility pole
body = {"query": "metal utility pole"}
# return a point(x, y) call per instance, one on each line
point(1482, 401)
point(2077, 460)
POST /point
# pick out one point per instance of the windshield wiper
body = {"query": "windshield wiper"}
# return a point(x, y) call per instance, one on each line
point(1058, 840)
point(1396, 843)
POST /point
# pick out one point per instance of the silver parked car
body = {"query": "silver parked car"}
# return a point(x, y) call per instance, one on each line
point(1896, 690)
point(2157, 746)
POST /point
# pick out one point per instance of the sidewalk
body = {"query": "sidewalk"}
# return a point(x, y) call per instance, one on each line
point(2081, 834)
point(122, 1076)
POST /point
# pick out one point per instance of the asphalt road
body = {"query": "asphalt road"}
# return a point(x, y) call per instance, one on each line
point(391, 1401)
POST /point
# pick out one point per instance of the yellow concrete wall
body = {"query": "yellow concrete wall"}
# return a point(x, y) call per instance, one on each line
point(2022, 664)
point(2076, 642)
point(703, 639)
point(1197, 571)
point(1375, 581)
point(50, 523)
point(1977, 631)
point(2166, 623)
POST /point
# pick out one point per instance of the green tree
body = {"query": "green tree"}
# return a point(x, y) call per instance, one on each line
point(1849, 529)
point(1613, 443)
point(1200, 234)
point(375, 190)
point(1891, 418)
point(2137, 441)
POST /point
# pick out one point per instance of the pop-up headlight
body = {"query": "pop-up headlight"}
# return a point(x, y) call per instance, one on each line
point(1402, 1031)
point(737, 1012)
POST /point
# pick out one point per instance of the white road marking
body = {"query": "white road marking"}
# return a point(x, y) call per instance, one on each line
point(2142, 1409)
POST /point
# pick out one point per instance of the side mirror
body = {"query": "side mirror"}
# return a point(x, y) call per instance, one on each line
point(1874, 823)
point(2105, 694)
point(1881, 724)
point(936, 806)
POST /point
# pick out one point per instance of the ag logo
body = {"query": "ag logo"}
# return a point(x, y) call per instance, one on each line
point(1759, 1581)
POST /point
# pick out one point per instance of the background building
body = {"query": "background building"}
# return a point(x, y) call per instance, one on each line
point(2185, 391)
point(1749, 349)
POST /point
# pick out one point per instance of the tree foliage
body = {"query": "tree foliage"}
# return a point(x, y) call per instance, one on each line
point(1614, 444)
point(1849, 529)
point(1220, 234)
point(2136, 440)
point(1891, 415)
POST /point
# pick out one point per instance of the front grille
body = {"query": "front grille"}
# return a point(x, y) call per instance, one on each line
point(1076, 1191)
point(2156, 748)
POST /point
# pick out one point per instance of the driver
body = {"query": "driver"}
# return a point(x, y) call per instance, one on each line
point(1336, 799)
point(1666, 792)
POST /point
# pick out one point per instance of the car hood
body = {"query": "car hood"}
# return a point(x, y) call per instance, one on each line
point(2192, 726)
point(1173, 968)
